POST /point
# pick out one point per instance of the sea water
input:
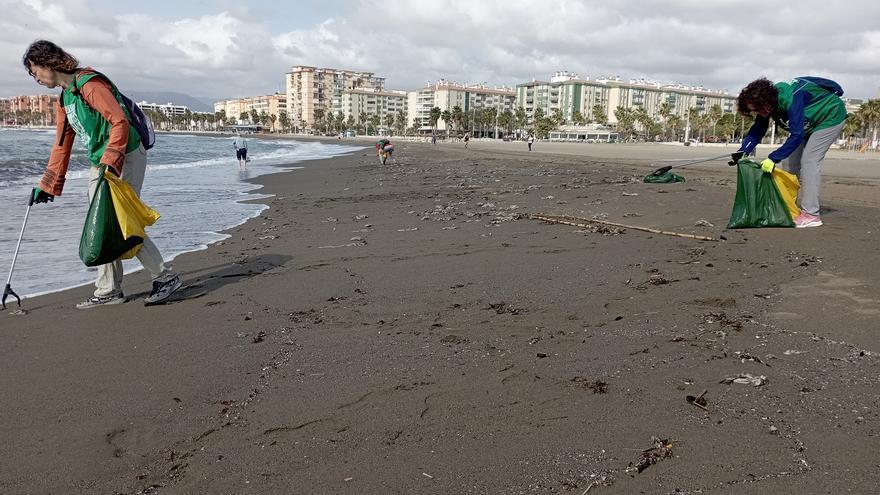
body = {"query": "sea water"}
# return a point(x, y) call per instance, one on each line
point(194, 182)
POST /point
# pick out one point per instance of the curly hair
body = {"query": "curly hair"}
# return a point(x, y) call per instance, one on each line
point(47, 54)
point(759, 93)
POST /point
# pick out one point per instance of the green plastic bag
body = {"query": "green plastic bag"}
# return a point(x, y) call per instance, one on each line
point(665, 177)
point(758, 201)
point(102, 240)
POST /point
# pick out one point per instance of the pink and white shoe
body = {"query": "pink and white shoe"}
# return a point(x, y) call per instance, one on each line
point(806, 220)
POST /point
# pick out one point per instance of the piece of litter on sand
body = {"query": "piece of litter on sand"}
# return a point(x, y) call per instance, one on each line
point(19, 312)
point(408, 230)
point(699, 401)
point(426, 475)
point(629, 194)
point(661, 450)
point(704, 223)
point(792, 352)
point(348, 479)
point(746, 379)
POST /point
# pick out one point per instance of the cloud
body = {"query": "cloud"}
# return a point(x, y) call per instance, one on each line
point(721, 44)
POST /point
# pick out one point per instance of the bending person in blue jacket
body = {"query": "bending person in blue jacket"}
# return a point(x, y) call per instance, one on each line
point(811, 110)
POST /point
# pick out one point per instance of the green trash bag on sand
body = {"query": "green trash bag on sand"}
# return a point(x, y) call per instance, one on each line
point(663, 178)
point(762, 199)
point(102, 240)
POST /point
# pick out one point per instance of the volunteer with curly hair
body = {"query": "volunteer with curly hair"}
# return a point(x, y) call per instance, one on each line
point(811, 110)
point(89, 107)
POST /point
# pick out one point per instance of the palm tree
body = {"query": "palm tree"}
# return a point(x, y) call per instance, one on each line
point(714, 116)
point(665, 110)
point(389, 121)
point(447, 119)
point(362, 120)
point(284, 120)
point(490, 117)
point(319, 119)
point(600, 116)
point(374, 121)
point(521, 119)
point(625, 121)
point(433, 117)
point(457, 116)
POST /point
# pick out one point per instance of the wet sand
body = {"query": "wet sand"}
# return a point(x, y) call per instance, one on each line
point(407, 329)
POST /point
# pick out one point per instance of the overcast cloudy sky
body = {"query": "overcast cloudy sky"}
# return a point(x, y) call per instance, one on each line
point(218, 49)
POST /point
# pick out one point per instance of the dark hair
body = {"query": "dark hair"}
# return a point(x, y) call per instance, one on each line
point(47, 54)
point(759, 93)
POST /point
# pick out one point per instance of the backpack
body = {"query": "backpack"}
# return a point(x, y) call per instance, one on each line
point(826, 84)
point(136, 117)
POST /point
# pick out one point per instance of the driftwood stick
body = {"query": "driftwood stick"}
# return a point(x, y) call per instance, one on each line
point(575, 222)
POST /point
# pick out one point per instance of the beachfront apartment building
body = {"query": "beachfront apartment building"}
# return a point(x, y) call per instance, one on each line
point(269, 105)
point(567, 93)
point(360, 102)
point(168, 109)
point(447, 95)
point(28, 109)
point(321, 90)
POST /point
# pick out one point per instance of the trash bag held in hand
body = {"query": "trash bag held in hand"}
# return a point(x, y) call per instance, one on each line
point(133, 215)
point(103, 240)
point(762, 199)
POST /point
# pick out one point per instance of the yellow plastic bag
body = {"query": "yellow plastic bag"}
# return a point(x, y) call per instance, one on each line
point(133, 215)
point(788, 185)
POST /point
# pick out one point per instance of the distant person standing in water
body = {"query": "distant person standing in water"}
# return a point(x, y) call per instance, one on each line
point(90, 107)
point(241, 147)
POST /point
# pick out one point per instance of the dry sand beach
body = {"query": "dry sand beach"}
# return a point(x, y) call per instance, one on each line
point(408, 329)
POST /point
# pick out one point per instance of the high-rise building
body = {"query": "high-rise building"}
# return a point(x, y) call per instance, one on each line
point(315, 91)
point(447, 95)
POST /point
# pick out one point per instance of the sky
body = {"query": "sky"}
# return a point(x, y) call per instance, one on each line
point(224, 49)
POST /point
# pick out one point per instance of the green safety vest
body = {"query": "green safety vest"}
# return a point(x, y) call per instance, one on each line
point(91, 127)
point(825, 110)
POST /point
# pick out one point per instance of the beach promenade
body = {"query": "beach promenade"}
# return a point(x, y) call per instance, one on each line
point(408, 328)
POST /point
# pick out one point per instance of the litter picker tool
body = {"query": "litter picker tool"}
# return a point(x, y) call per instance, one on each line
point(8, 290)
point(667, 168)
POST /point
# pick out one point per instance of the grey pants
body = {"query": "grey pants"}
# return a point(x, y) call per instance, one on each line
point(806, 163)
point(110, 275)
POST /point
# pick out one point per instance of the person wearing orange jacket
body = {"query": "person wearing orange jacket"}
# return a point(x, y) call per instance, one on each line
point(90, 108)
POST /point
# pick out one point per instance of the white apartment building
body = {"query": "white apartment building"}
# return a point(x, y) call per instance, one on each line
point(168, 109)
point(372, 101)
point(447, 95)
point(311, 88)
point(568, 93)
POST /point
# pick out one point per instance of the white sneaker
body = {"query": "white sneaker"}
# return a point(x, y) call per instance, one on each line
point(95, 301)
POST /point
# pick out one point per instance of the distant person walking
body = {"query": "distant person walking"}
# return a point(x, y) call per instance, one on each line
point(530, 141)
point(466, 139)
point(90, 107)
point(241, 147)
point(811, 110)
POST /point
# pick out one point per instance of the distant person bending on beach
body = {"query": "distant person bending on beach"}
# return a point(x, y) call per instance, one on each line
point(384, 148)
point(811, 110)
point(530, 141)
point(466, 139)
point(89, 106)
point(240, 145)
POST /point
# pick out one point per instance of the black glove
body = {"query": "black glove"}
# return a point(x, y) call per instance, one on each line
point(735, 158)
point(40, 196)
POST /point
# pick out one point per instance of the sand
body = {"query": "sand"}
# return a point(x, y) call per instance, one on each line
point(407, 329)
